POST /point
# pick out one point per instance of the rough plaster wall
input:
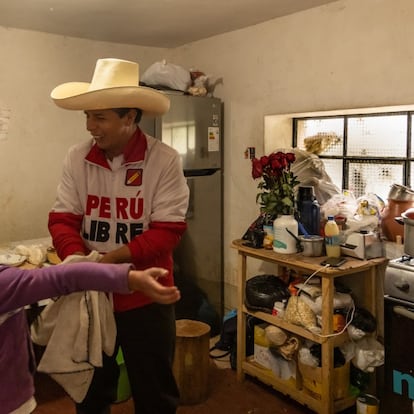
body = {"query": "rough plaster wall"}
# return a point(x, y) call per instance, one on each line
point(347, 54)
point(39, 133)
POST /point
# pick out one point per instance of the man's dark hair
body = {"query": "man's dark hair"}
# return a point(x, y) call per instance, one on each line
point(123, 111)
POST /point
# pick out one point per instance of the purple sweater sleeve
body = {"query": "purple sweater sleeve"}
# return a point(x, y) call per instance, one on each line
point(20, 287)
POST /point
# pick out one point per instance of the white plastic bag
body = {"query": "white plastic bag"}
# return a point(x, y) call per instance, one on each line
point(167, 75)
point(369, 354)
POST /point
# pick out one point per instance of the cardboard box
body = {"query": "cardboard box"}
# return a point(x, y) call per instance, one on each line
point(312, 380)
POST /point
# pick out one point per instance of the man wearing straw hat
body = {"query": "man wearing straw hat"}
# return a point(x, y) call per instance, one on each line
point(123, 193)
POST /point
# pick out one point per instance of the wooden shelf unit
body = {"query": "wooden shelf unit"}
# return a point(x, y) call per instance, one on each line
point(370, 274)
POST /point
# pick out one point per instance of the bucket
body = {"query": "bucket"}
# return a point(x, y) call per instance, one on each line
point(367, 404)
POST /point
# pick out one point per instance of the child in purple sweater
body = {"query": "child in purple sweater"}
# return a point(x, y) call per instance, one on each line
point(20, 287)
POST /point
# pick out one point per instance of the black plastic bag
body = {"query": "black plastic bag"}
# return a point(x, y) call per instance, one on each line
point(263, 291)
point(364, 320)
point(257, 225)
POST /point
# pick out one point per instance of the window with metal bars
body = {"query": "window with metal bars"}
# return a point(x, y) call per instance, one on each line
point(362, 153)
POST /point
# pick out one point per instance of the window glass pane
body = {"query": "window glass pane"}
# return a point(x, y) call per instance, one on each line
point(411, 183)
point(412, 144)
point(334, 169)
point(374, 178)
point(321, 136)
point(377, 136)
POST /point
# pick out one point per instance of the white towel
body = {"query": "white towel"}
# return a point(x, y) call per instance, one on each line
point(75, 329)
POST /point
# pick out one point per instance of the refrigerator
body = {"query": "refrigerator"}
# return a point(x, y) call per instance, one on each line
point(193, 126)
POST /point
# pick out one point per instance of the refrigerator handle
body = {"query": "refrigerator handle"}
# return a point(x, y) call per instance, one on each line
point(200, 172)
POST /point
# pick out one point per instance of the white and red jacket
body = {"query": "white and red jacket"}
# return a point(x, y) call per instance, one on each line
point(142, 203)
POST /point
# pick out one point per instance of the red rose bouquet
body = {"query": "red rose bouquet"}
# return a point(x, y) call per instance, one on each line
point(278, 183)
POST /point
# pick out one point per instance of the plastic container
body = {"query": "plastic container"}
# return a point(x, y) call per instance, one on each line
point(367, 404)
point(312, 245)
point(285, 233)
point(332, 238)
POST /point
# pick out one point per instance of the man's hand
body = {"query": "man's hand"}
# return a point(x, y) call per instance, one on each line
point(146, 282)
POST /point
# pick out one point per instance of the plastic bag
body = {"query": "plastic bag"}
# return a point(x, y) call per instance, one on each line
point(310, 170)
point(262, 291)
point(364, 320)
point(167, 75)
point(369, 353)
point(344, 204)
point(299, 313)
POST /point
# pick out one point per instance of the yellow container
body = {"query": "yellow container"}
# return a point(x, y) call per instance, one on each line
point(260, 335)
point(312, 380)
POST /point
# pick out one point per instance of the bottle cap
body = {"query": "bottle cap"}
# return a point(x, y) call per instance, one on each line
point(330, 217)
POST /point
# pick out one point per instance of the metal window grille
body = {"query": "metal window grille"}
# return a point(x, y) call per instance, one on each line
point(362, 153)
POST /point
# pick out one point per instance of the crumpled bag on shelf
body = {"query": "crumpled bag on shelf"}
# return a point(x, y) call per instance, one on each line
point(340, 301)
point(288, 349)
point(363, 322)
point(368, 354)
point(275, 335)
point(167, 75)
point(36, 253)
point(282, 368)
point(299, 313)
point(305, 356)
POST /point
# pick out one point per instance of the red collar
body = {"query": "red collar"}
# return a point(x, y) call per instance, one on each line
point(133, 152)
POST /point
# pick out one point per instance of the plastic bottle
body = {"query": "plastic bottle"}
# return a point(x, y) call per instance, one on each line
point(332, 239)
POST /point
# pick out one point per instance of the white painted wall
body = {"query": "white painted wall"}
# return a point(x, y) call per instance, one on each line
point(39, 133)
point(347, 54)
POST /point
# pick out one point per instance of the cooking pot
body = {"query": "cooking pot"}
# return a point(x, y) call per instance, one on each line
point(309, 245)
point(400, 198)
point(312, 245)
point(401, 193)
point(407, 219)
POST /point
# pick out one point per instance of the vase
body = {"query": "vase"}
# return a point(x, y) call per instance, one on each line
point(283, 241)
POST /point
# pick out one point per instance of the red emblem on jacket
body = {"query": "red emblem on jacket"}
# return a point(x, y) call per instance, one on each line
point(133, 177)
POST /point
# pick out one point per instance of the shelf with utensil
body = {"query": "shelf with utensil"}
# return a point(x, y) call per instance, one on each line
point(368, 273)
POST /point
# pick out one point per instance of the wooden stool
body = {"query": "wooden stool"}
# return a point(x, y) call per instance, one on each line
point(191, 360)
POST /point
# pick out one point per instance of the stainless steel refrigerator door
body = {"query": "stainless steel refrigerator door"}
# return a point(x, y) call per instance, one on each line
point(193, 127)
point(199, 254)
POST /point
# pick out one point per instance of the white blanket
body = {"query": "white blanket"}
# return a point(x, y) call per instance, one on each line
point(75, 329)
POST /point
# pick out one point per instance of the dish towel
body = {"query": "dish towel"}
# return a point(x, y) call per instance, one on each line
point(75, 329)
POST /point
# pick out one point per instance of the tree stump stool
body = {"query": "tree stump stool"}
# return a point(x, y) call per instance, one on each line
point(191, 360)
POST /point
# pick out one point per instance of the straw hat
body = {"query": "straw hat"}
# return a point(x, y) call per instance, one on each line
point(115, 84)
